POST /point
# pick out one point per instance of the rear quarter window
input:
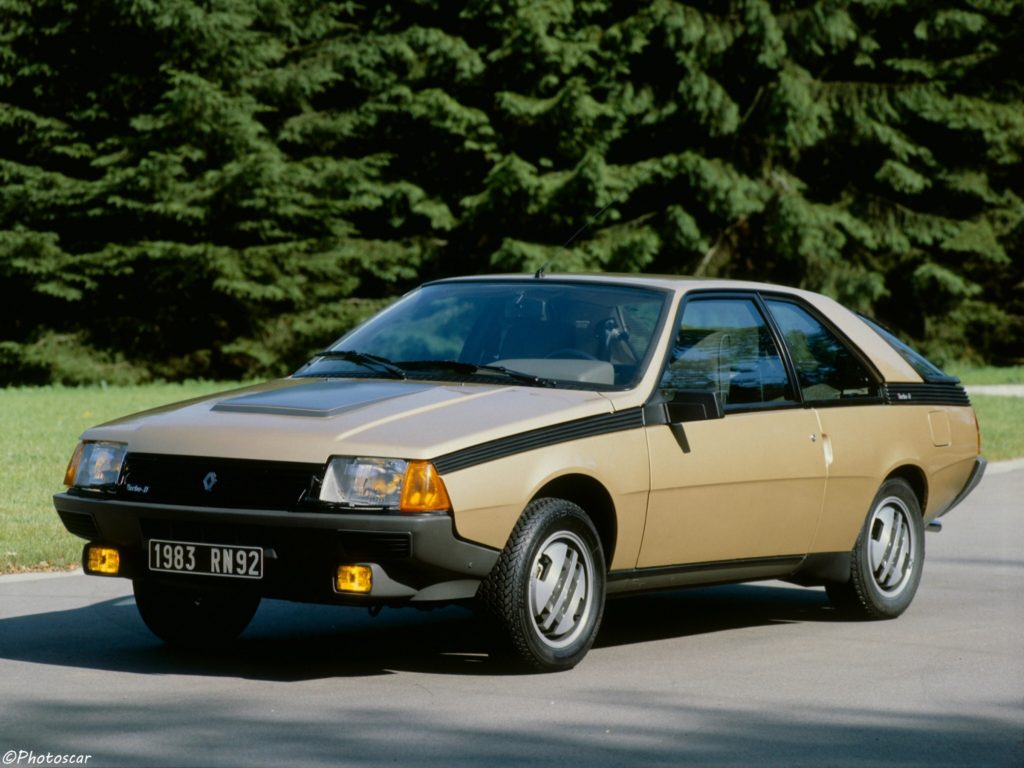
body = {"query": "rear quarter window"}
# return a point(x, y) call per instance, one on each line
point(826, 368)
point(924, 367)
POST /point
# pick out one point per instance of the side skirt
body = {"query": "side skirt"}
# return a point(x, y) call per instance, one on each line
point(702, 574)
point(805, 570)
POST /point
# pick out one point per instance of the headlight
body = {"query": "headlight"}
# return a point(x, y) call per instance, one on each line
point(409, 486)
point(95, 464)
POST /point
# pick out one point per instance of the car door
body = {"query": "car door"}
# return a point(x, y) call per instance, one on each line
point(843, 390)
point(744, 487)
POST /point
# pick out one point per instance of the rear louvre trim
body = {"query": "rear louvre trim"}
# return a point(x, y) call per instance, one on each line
point(925, 394)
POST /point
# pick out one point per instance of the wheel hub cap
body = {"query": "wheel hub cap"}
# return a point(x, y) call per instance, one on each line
point(560, 588)
point(891, 548)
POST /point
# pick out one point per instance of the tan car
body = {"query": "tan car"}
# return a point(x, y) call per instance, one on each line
point(531, 445)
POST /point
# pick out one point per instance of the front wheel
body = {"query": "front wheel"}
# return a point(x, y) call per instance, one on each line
point(888, 558)
point(546, 592)
point(193, 618)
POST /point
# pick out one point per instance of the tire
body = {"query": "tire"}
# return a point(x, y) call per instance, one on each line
point(545, 595)
point(888, 558)
point(193, 618)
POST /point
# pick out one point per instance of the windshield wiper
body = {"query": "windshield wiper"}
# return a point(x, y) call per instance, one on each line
point(365, 359)
point(472, 368)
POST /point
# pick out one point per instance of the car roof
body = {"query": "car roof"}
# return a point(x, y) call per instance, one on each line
point(671, 282)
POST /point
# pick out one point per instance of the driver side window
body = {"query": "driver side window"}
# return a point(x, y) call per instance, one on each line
point(724, 346)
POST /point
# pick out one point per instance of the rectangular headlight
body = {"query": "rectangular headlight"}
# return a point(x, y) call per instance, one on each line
point(409, 486)
point(95, 464)
point(363, 482)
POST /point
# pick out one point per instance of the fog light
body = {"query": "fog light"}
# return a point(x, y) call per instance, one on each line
point(105, 561)
point(354, 578)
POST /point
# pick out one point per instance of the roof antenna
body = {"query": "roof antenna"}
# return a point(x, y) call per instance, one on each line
point(586, 225)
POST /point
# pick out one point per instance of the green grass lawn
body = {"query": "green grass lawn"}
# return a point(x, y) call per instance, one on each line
point(988, 374)
point(41, 425)
point(1002, 426)
point(1001, 418)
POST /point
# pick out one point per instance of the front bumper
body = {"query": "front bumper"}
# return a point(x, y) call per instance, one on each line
point(415, 558)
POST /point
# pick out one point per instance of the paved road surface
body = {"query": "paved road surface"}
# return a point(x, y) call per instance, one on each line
point(734, 676)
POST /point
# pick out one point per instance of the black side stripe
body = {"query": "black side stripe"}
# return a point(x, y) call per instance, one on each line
point(568, 431)
point(925, 394)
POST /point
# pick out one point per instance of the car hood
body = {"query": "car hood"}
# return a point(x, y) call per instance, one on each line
point(309, 420)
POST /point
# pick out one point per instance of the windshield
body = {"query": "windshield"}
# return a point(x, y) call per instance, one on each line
point(578, 335)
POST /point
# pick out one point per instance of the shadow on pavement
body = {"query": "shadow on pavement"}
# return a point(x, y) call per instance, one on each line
point(422, 722)
point(642, 730)
point(289, 642)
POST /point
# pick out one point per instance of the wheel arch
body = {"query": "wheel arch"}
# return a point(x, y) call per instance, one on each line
point(595, 501)
point(917, 480)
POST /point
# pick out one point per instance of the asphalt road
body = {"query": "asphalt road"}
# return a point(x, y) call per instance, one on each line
point(756, 674)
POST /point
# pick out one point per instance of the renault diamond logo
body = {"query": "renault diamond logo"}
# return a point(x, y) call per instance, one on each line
point(209, 481)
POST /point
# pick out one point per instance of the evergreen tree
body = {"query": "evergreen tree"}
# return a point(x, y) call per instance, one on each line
point(219, 188)
point(870, 150)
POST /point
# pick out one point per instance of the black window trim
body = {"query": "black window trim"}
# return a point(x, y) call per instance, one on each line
point(760, 299)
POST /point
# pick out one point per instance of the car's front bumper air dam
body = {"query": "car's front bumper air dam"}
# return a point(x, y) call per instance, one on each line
point(415, 558)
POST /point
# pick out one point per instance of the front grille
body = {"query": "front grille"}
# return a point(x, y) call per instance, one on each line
point(80, 524)
point(371, 545)
point(216, 482)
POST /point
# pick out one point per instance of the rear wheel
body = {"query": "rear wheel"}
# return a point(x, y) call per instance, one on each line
point(888, 558)
point(193, 618)
point(546, 592)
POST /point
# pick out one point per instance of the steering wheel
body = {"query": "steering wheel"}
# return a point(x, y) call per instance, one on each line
point(568, 353)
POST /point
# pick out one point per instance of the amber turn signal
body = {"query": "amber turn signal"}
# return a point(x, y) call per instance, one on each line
point(104, 561)
point(72, 470)
point(423, 489)
point(354, 578)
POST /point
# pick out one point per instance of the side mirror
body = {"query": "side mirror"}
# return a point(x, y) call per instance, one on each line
point(687, 405)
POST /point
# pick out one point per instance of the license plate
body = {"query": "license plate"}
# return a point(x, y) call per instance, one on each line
point(206, 559)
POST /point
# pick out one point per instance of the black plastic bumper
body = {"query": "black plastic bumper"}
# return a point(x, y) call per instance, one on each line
point(415, 558)
point(977, 472)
